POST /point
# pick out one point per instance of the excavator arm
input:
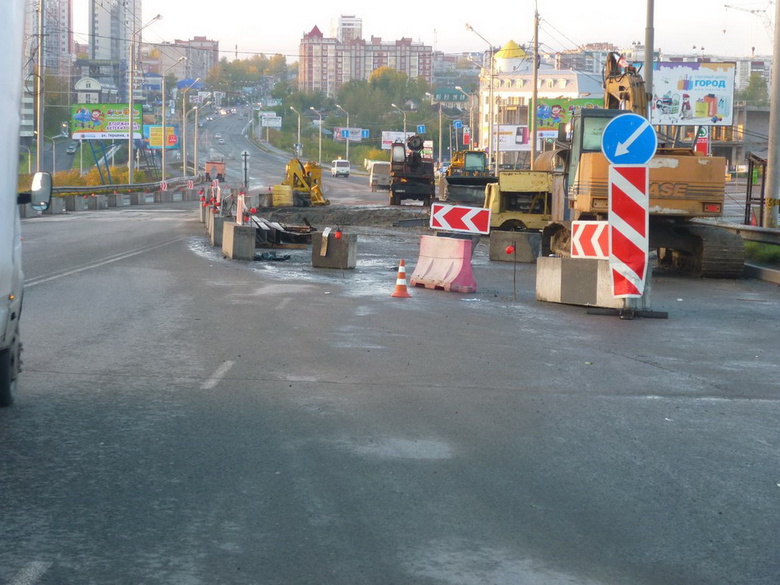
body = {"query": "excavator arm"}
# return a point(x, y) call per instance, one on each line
point(624, 87)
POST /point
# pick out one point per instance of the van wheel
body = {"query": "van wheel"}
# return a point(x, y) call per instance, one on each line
point(9, 365)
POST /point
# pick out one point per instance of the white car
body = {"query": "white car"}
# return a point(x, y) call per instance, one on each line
point(221, 141)
point(339, 168)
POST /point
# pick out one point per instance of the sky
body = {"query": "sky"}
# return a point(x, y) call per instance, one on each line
point(244, 27)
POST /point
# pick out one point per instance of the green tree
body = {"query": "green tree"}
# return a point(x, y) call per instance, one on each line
point(756, 93)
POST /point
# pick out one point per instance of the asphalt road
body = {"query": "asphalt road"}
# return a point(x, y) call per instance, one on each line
point(185, 419)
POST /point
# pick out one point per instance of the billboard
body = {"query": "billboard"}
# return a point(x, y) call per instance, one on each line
point(389, 137)
point(355, 134)
point(552, 112)
point(512, 138)
point(154, 135)
point(693, 94)
point(104, 121)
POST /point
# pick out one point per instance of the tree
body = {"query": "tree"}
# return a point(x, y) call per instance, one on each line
point(756, 93)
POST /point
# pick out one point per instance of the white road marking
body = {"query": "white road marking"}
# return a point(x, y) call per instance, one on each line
point(31, 573)
point(108, 260)
point(283, 304)
point(218, 375)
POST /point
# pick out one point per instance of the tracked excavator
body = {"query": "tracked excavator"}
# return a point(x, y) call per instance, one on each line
point(683, 185)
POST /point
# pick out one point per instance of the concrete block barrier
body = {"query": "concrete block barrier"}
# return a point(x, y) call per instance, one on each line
point(56, 206)
point(238, 241)
point(118, 199)
point(444, 264)
point(329, 252)
point(581, 281)
point(216, 230)
point(76, 203)
point(527, 246)
point(96, 202)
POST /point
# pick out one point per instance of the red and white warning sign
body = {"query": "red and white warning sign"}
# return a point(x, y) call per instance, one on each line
point(460, 218)
point(628, 228)
point(590, 239)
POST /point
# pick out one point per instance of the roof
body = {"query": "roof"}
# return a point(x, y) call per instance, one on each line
point(511, 51)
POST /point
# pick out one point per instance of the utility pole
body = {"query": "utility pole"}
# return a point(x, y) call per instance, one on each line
point(39, 143)
point(535, 91)
point(649, 50)
point(773, 155)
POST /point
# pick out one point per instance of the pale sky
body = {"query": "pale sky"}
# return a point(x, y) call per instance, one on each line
point(276, 27)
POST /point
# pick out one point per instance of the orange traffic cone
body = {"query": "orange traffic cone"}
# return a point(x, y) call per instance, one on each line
point(400, 283)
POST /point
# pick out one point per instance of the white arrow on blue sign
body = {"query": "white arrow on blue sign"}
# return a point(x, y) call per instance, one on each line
point(364, 133)
point(629, 139)
point(457, 124)
point(421, 129)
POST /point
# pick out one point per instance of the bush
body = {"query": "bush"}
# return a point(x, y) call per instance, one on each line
point(762, 253)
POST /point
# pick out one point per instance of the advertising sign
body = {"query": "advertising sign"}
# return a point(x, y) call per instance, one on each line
point(513, 138)
point(355, 134)
point(693, 94)
point(552, 112)
point(155, 136)
point(272, 121)
point(389, 137)
point(104, 121)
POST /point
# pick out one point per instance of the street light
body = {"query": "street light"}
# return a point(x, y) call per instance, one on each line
point(471, 111)
point(349, 131)
point(319, 138)
point(493, 140)
point(131, 84)
point(164, 129)
point(195, 157)
point(54, 151)
point(297, 144)
point(184, 127)
point(438, 102)
point(404, 113)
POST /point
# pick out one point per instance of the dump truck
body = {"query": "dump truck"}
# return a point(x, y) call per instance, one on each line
point(684, 185)
point(411, 174)
point(465, 180)
point(11, 274)
point(215, 170)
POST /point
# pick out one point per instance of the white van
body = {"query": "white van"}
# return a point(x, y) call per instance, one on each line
point(339, 168)
point(379, 176)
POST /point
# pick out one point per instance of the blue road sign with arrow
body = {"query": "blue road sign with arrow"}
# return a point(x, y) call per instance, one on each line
point(629, 139)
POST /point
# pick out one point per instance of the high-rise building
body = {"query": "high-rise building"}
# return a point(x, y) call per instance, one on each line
point(327, 63)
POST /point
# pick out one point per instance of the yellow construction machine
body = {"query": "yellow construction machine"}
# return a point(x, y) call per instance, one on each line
point(301, 186)
point(684, 185)
point(466, 178)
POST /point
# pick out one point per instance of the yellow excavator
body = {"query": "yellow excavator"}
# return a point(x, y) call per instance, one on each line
point(301, 186)
point(683, 185)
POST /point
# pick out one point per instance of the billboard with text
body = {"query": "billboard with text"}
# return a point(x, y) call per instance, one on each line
point(104, 121)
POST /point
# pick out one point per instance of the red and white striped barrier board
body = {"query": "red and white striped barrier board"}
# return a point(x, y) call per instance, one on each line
point(628, 228)
point(590, 239)
point(460, 218)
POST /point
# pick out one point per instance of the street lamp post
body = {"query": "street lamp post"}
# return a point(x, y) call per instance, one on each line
point(297, 144)
point(29, 159)
point(195, 151)
point(493, 140)
point(471, 111)
point(184, 127)
point(404, 113)
point(441, 158)
point(164, 138)
point(349, 130)
point(130, 98)
point(319, 138)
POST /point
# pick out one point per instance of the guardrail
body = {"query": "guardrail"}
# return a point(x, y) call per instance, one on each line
point(100, 189)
